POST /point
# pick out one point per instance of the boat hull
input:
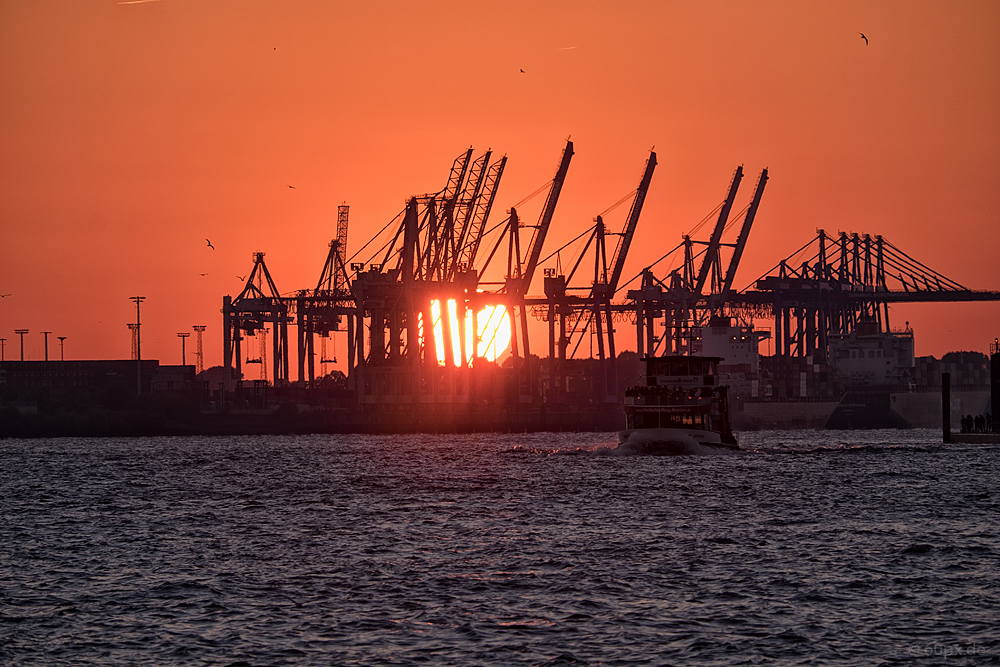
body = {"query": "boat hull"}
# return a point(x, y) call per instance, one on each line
point(674, 442)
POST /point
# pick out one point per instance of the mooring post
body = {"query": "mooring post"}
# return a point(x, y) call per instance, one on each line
point(995, 385)
point(946, 406)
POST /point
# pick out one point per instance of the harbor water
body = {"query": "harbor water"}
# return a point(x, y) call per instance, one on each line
point(811, 548)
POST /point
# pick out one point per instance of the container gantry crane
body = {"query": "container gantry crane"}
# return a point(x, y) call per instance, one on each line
point(594, 309)
point(258, 305)
point(681, 299)
point(322, 311)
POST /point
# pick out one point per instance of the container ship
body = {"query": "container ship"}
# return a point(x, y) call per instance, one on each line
point(871, 379)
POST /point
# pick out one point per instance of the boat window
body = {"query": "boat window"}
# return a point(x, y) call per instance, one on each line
point(679, 367)
point(646, 420)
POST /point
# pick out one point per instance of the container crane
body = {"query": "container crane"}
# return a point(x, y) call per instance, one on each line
point(321, 311)
point(711, 259)
point(258, 305)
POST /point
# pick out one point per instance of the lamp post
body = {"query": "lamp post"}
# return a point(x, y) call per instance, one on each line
point(62, 339)
point(46, 334)
point(183, 337)
point(21, 332)
point(2, 341)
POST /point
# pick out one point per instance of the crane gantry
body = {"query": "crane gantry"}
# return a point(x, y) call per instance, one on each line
point(411, 310)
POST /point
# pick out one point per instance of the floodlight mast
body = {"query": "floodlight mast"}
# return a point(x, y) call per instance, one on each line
point(138, 343)
point(199, 355)
point(21, 332)
point(183, 337)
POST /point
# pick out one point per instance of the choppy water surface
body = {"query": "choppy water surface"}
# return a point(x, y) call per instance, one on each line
point(823, 548)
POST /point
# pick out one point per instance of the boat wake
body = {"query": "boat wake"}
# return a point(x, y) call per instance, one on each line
point(638, 445)
point(642, 444)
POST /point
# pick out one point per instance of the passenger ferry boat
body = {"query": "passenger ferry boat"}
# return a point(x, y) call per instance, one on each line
point(681, 409)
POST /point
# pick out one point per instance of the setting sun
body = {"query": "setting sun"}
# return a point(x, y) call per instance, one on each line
point(494, 332)
point(493, 337)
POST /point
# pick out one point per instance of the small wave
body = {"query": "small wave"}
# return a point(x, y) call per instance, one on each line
point(521, 449)
point(917, 549)
point(564, 658)
point(842, 449)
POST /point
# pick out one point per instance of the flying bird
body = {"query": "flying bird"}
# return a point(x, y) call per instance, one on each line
point(242, 278)
point(292, 187)
point(202, 274)
point(4, 295)
point(864, 38)
point(210, 244)
point(522, 71)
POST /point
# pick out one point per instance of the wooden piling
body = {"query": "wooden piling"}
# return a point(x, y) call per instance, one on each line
point(946, 406)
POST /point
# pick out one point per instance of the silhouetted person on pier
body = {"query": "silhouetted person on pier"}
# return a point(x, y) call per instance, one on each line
point(966, 423)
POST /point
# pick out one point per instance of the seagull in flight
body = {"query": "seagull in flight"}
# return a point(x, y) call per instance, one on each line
point(292, 187)
point(202, 274)
point(522, 71)
point(4, 295)
point(242, 278)
point(864, 38)
point(210, 244)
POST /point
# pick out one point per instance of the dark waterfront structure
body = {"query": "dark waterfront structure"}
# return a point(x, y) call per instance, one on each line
point(62, 376)
point(426, 303)
point(95, 397)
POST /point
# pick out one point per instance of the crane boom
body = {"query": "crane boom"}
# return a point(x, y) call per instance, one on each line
point(744, 233)
point(340, 280)
point(456, 176)
point(477, 225)
point(538, 238)
point(441, 217)
point(467, 203)
point(712, 252)
point(630, 225)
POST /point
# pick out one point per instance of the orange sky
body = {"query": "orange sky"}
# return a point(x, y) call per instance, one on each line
point(130, 132)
